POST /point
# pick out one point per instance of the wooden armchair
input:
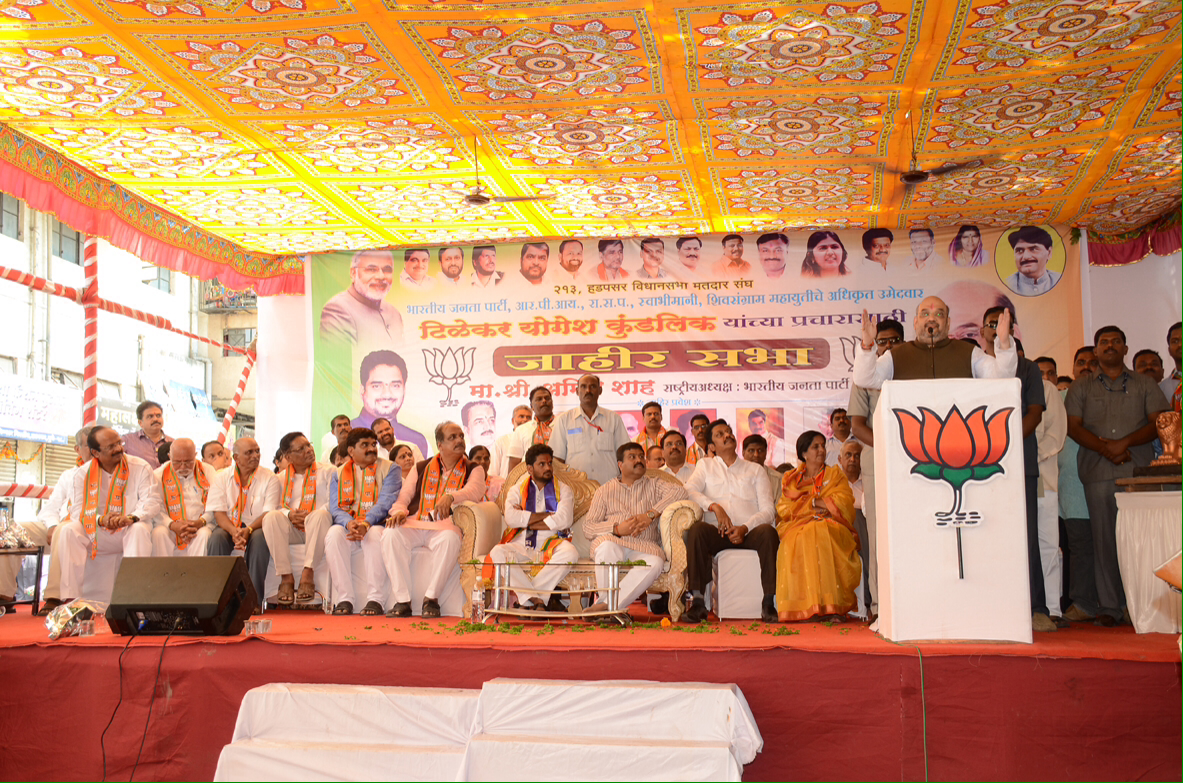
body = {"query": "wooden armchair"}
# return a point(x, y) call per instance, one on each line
point(481, 527)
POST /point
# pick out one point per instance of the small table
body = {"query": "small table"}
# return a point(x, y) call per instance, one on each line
point(500, 605)
point(39, 552)
point(1149, 532)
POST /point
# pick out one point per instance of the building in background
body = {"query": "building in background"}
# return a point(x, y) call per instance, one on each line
point(41, 349)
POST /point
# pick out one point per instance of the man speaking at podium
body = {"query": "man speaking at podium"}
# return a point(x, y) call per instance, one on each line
point(932, 354)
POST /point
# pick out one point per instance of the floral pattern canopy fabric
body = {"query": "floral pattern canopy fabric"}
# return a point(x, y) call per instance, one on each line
point(292, 126)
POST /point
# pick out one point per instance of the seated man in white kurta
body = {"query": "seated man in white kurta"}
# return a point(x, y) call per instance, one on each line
point(538, 516)
point(304, 488)
point(239, 498)
point(182, 527)
point(41, 530)
point(422, 516)
point(361, 493)
point(114, 501)
point(622, 525)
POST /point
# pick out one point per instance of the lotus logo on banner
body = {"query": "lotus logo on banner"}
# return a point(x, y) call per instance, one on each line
point(957, 449)
point(449, 367)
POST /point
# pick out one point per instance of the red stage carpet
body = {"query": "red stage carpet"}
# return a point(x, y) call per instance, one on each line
point(832, 702)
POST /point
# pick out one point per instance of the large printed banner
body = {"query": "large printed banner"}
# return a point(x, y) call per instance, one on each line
point(757, 329)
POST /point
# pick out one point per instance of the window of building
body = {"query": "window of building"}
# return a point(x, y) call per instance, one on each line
point(240, 338)
point(110, 391)
point(66, 243)
point(10, 216)
point(66, 378)
point(158, 277)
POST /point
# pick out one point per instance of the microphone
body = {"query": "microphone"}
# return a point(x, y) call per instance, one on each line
point(931, 330)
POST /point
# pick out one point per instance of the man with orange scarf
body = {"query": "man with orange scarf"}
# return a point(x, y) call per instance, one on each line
point(361, 493)
point(535, 430)
point(114, 501)
point(304, 489)
point(182, 529)
point(239, 497)
point(539, 512)
point(422, 517)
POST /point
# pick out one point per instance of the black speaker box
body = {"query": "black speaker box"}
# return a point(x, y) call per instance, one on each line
point(193, 596)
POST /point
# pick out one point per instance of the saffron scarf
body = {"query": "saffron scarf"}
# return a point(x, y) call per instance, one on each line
point(432, 481)
point(542, 431)
point(240, 503)
point(529, 500)
point(347, 490)
point(174, 499)
point(90, 506)
point(308, 495)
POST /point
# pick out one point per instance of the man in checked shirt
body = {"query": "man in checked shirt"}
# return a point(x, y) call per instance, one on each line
point(622, 525)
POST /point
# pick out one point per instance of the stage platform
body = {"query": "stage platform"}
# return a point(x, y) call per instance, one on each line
point(832, 702)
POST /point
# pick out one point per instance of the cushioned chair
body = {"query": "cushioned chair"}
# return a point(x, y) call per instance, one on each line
point(482, 526)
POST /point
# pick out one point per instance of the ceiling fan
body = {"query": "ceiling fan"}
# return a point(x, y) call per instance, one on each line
point(479, 197)
point(915, 176)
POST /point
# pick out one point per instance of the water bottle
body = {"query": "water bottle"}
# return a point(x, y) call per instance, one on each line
point(477, 613)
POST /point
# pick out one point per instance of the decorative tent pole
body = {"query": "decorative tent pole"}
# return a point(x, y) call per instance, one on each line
point(228, 419)
point(90, 316)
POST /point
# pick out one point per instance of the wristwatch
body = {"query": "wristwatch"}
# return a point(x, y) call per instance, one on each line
point(133, 518)
point(652, 514)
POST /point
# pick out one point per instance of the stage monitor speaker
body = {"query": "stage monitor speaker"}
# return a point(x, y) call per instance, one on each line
point(193, 596)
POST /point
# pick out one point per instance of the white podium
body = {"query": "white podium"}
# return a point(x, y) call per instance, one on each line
point(952, 529)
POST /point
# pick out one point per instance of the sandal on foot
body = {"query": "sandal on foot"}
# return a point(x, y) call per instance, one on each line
point(305, 593)
point(285, 594)
point(372, 609)
point(343, 608)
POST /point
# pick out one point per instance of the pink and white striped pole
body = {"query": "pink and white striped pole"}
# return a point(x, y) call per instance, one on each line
point(33, 491)
point(233, 407)
point(90, 320)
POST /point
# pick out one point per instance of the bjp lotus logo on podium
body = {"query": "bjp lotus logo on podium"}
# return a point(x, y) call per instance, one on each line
point(956, 450)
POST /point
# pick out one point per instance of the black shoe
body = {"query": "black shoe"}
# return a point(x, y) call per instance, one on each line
point(1107, 621)
point(431, 608)
point(661, 605)
point(401, 609)
point(768, 610)
point(555, 604)
point(696, 613)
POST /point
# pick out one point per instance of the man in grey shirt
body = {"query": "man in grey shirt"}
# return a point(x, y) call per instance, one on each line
point(1111, 414)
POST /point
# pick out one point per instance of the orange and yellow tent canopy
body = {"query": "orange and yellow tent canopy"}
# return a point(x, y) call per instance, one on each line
point(290, 126)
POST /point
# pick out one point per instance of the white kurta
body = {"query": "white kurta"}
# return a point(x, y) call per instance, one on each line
point(164, 541)
point(141, 498)
point(519, 549)
point(281, 535)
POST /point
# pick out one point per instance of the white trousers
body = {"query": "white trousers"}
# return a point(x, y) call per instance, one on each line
point(280, 533)
point(10, 566)
point(635, 581)
point(164, 543)
point(868, 476)
point(135, 540)
point(550, 575)
point(443, 548)
point(1052, 560)
point(340, 553)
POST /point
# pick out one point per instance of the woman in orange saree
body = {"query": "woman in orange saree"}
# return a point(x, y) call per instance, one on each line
point(817, 565)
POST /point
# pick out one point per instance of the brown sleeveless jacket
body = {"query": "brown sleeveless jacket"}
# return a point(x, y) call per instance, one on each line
point(946, 359)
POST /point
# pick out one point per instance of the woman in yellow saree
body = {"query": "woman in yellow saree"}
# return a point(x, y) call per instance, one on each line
point(817, 565)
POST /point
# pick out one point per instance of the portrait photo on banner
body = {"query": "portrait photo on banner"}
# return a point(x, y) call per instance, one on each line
point(723, 323)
